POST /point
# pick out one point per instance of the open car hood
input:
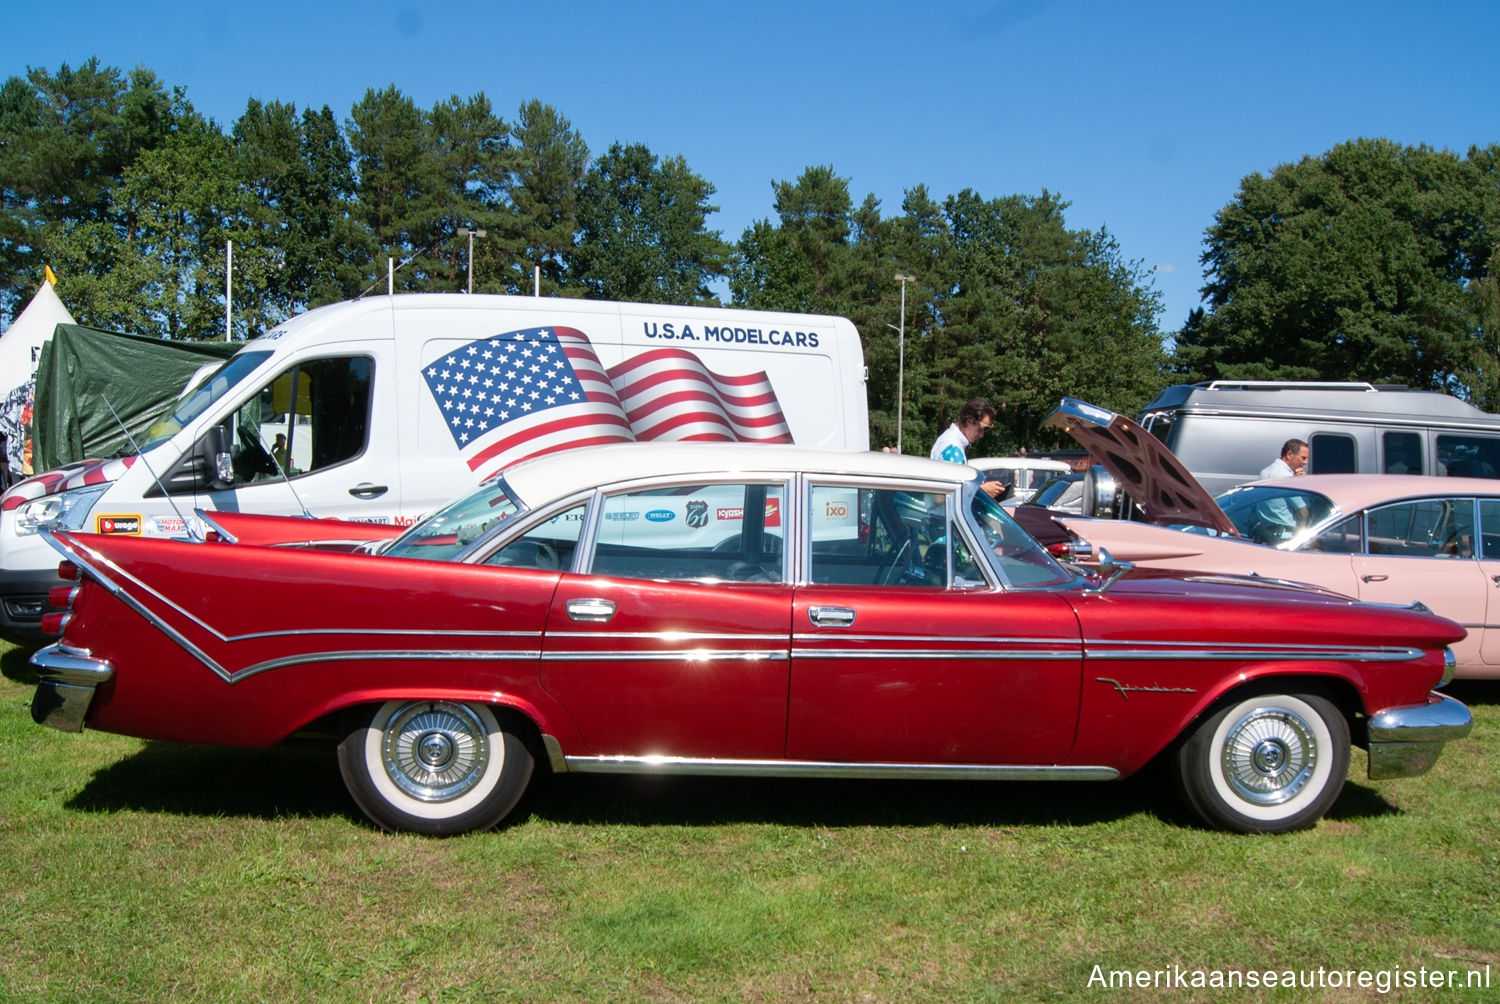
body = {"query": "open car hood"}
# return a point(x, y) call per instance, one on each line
point(1145, 469)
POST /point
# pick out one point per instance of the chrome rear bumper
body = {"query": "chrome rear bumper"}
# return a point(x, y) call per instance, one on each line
point(69, 678)
point(1406, 741)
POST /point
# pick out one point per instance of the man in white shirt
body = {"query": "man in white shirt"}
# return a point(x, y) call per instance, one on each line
point(974, 419)
point(1291, 463)
point(1282, 517)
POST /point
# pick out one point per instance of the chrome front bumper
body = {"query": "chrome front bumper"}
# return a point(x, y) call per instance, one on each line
point(1406, 741)
point(69, 678)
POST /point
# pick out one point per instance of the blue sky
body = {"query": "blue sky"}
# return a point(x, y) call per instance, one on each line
point(1145, 116)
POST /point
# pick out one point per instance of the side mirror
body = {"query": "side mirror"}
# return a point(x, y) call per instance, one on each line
point(216, 458)
point(203, 467)
point(1110, 572)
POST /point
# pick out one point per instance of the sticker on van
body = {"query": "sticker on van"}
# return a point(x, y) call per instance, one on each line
point(524, 393)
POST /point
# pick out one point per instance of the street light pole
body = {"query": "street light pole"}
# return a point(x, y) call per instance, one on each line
point(471, 234)
point(901, 360)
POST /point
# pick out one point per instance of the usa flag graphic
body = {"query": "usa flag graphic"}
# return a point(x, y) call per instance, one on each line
point(524, 393)
point(670, 394)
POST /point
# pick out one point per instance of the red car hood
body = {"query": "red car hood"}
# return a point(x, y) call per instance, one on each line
point(1145, 469)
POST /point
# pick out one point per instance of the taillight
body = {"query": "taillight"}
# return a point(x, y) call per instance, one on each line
point(61, 596)
point(67, 571)
point(1071, 550)
point(56, 622)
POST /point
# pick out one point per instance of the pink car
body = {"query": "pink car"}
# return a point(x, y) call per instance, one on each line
point(1381, 538)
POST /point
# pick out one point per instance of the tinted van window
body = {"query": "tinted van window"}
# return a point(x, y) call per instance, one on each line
point(1462, 456)
point(1401, 453)
point(1332, 453)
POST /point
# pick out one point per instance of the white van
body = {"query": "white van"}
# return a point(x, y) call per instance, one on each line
point(1226, 431)
point(390, 406)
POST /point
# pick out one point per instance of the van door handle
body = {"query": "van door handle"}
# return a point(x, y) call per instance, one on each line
point(368, 491)
point(1374, 578)
point(831, 616)
point(591, 609)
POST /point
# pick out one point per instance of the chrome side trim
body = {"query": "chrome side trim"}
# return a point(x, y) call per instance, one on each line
point(69, 678)
point(669, 654)
point(110, 576)
point(825, 768)
point(989, 654)
point(776, 637)
point(364, 655)
point(1177, 651)
point(1405, 741)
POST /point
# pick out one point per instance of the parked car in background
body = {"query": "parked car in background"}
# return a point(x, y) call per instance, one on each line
point(1023, 475)
point(1417, 539)
point(732, 610)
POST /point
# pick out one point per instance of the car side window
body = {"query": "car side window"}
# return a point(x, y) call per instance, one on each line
point(1489, 528)
point(548, 545)
point(878, 537)
point(1341, 538)
point(1428, 528)
point(311, 416)
point(711, 531)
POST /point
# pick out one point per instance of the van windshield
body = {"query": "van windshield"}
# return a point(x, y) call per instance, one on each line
point(195, 400)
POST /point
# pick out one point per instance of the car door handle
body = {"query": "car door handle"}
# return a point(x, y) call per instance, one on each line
point(1374, 578)
point(591, 609)
point(368, 491)
point(831, 616)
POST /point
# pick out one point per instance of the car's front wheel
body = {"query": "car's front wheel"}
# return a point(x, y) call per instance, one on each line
point(1268, 763)
point(433, 767)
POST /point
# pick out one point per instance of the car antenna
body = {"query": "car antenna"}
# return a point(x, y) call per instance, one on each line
point(192, 531)
point(285, 477)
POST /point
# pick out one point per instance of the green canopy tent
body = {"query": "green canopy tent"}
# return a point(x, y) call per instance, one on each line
point(82, 368)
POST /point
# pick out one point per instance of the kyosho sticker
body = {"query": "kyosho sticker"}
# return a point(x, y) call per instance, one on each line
point(118, 524)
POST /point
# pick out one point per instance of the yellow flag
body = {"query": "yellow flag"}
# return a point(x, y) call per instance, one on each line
point(51, 276)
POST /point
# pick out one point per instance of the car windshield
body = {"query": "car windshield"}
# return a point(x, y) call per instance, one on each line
point(1015, 553)
point(196, 399)
point(1278, 515)
point(447, 532)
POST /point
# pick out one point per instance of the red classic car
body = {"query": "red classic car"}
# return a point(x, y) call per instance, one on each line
point(733, 610)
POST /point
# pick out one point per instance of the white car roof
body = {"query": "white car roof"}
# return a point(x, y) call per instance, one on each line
point(557, 474)
point(1018, 463)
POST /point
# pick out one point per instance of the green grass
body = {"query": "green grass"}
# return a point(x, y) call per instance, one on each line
point(139, 871)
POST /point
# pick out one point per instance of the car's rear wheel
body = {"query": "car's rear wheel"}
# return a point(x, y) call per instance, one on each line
point(434, 767)
point(1267, 763)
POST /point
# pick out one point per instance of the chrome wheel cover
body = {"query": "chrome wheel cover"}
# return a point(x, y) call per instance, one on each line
point(434, 751)
point(1269, 756)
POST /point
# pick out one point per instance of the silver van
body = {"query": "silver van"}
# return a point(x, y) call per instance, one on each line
point(1226, 431)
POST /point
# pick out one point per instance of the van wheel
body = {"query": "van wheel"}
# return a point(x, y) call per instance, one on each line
point(1266, 764)
point(433, 767)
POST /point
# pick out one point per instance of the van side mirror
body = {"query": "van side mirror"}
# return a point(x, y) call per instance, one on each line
point(205, 467)
point(216, 445)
